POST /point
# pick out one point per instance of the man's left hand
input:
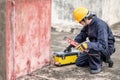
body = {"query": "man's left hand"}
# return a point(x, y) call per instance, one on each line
point(82, 47)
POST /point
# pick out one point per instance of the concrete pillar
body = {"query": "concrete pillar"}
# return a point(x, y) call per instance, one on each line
point(2, 40)
point(25, 30)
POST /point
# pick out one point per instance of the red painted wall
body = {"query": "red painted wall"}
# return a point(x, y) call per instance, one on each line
point(28, 36)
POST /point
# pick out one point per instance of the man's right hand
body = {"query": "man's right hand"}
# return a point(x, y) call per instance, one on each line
point(68, 49)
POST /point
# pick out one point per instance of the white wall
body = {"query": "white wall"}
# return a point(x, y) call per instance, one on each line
point(62, 10)
point(111, 11)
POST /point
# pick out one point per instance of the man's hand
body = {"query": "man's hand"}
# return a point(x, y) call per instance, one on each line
point(82, 47)
point(68, 49)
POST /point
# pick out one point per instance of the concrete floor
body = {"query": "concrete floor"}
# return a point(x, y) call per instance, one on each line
point(72, 72)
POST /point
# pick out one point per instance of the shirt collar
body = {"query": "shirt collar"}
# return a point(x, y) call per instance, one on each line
point(93, 19)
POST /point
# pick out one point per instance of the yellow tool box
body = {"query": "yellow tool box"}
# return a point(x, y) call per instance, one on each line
point(64, 58)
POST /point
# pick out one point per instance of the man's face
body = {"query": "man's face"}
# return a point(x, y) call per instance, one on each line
point(85, 22)
point(82, 23)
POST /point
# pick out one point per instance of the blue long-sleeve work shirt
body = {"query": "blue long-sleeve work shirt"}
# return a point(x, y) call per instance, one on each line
point(99, 34)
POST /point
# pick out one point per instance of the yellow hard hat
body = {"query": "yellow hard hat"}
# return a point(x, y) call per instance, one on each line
point(80, 13)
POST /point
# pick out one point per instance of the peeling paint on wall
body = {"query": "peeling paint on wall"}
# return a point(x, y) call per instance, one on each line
point(28, 36)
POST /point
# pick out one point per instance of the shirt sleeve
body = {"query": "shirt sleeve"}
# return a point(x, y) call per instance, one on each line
point(102, 39)
point(81, 37)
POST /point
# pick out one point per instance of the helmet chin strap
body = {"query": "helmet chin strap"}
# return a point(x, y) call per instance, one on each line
point(88, 14)
point(87, 17)
point(85, 21)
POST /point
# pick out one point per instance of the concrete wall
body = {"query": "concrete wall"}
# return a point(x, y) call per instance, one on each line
point(106, 9)
point(2, 40)
point(111, 11)
point(28, 32)
point(25, 28)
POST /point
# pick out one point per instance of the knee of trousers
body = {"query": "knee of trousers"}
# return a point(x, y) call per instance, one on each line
point(80, 64)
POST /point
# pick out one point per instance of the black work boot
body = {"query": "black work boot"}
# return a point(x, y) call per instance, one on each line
point(108, 60)
point(110, 63)
point(96, 71)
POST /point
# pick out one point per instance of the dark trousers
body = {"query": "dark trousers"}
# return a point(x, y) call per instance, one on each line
point(93, 60)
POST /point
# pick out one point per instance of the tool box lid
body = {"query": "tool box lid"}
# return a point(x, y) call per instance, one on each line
point(60, 54)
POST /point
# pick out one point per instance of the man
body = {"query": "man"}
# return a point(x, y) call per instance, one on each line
point(100, 46)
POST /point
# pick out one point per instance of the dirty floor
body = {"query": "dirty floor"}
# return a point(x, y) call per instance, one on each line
point(72, 72)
